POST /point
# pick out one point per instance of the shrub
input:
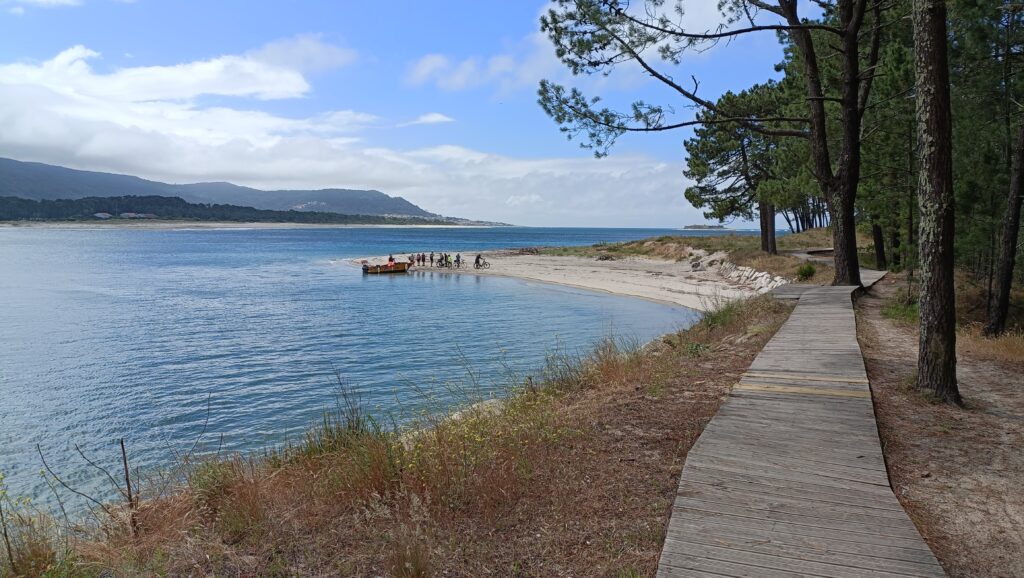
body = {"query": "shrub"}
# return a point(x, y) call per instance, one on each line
point(805, 271)
point(721, 314)
point(902, 307)
point(696, 349)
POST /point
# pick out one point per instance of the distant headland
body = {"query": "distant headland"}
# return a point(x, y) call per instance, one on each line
point(37, 191)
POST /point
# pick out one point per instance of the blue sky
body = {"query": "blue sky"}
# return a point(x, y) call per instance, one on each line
point(433, 101)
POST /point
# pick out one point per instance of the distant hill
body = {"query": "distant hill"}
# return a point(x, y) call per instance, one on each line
point(40, 181)
point(152, 207)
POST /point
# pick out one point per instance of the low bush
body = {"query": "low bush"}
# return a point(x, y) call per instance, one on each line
point(805, 271)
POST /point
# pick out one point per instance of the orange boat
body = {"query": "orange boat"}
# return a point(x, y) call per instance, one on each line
point(397, 267)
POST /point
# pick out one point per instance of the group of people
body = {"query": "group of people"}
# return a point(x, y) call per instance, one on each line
point(441, 259)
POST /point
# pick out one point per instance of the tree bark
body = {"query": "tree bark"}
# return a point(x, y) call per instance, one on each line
point(773, 248)
point(840, 185)
point(894, 248)
point(936, 362)
point(762, 212)
point(1000, 304)
point(878, 238)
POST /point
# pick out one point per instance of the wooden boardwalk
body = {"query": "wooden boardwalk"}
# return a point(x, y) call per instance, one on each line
point(788, 478)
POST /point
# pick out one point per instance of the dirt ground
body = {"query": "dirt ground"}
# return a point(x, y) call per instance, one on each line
point(958, 471)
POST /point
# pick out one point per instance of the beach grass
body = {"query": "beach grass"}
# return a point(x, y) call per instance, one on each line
point(572, 472)
point(743, 250)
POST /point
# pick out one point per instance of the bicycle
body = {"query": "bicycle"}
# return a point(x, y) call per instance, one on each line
point(482, 265)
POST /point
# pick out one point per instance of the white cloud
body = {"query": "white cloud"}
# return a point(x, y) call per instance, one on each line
point(70, 73)
point(304, 53)
point(140, 121)
point(426, 68)
point(17, 10)
point(429, 118)
point(522, 66)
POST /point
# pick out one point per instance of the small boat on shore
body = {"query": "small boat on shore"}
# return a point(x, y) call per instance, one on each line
point(397, 267)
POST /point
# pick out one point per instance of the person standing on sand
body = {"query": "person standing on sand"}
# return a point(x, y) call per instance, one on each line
point(431, 258)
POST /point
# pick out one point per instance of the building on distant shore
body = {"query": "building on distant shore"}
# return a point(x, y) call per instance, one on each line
point(102, 215)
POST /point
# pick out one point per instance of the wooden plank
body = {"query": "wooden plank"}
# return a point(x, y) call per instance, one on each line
point(793, 376)
point(788, 479)
point(809, 550)
point(773, 527)
point(775, 501)
point(802, 390)
point(780, 562)
point(834, 542)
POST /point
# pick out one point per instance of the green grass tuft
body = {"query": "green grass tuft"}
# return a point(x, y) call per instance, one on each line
point(806, 271)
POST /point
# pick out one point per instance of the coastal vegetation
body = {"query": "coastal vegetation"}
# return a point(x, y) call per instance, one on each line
point(742, 250)
point(971, 288)
point(898, 118)
point(572, 473)
point(157, 207)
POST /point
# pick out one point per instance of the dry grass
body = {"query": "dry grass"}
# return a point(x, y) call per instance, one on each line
point(901, 306)
point(1008, 347)
point(744, 250)
point(573, 475)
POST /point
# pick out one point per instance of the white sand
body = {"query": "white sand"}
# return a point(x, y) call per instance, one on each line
point(675, 283)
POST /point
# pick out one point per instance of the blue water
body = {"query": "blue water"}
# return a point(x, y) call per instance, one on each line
point(233, 337)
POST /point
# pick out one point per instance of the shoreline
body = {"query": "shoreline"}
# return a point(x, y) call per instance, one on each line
point(700, 285)
point(165, 225)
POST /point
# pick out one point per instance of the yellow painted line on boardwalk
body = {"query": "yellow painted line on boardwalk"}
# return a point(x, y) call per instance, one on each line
point(806, 377)
point(801, 390)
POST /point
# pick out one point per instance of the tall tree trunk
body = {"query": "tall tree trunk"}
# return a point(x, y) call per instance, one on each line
point(1000, 304)
point(894, 248)
point(878, 238)
point(844, 235)
point(936, 362)
point(773, 248)
point(762, 213)
point(840, 184)
point(909, 247)
point(789, 222)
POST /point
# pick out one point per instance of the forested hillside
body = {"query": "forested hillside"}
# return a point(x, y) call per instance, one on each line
point(41, 181)
point(17, 209)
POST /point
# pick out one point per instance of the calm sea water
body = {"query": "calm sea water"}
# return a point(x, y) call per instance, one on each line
point(233, 337)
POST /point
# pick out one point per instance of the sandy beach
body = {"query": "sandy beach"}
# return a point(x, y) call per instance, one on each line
point(699, 287)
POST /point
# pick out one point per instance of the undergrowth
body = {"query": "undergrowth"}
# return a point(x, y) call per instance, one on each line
point(902, 308)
